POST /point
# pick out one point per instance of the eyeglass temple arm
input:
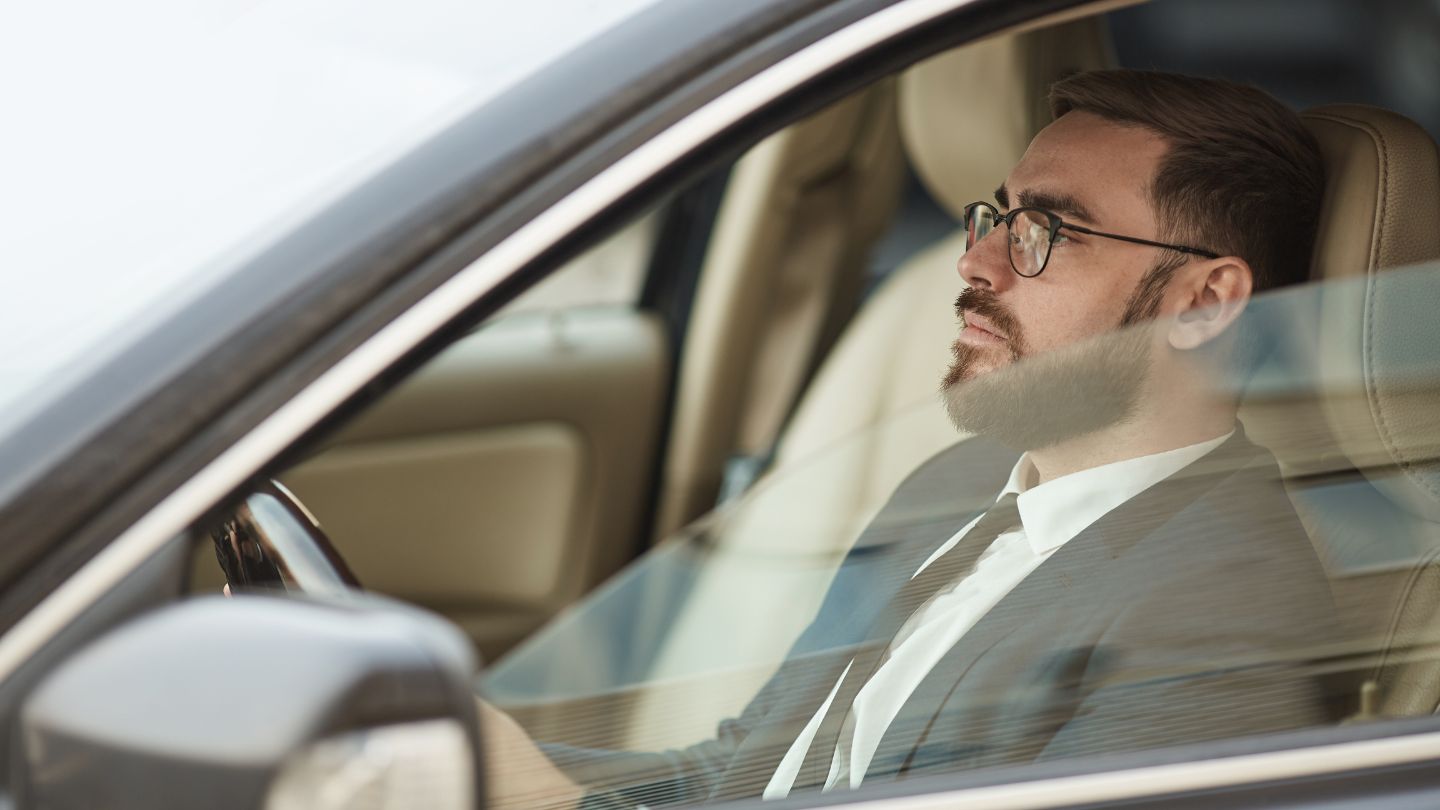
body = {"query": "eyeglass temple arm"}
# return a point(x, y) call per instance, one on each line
point(1138, 241)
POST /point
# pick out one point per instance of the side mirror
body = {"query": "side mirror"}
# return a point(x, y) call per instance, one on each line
point(259, 702)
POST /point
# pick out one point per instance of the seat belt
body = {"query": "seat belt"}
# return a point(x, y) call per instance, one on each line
point(807, 301)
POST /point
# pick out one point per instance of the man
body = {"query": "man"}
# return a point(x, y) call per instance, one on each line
point(1136, 577)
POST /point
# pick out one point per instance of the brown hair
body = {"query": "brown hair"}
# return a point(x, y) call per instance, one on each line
point(1242, 177)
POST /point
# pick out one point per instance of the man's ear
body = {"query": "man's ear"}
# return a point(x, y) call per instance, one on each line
point(1214, 293)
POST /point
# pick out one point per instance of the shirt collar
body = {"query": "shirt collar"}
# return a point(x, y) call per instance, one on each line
point(1054, 512)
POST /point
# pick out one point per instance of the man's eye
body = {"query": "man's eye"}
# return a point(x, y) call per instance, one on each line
point(1060, 239)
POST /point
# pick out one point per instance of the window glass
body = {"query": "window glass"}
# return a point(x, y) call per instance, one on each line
point(1245, 586)
point(923, 587)
point(1101, 514)
point(474, 486)
point(611, 273)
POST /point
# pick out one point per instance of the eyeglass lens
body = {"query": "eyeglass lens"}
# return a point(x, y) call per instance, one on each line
point(1029, 242)
point(979, 222)
point(1029, 236)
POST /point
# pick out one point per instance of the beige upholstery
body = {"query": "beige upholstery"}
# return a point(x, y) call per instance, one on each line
point(1405, 681)
point(801, 211)
point(968, 114)
point(1381, 212)
point(1378, 214)
point(1384, 195)
point(532, 433)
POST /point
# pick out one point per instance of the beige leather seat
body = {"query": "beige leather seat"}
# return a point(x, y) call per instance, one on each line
point(783, 271)
point(1377, 355)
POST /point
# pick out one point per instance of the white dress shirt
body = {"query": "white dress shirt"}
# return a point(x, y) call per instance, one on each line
point(1051, 514)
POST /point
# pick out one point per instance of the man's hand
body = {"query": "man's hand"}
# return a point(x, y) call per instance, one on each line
point(517, 773)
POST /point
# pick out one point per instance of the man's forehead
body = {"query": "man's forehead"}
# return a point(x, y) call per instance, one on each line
point(1098, 170)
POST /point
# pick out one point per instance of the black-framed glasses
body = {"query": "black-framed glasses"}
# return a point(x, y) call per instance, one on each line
point(1033, 232)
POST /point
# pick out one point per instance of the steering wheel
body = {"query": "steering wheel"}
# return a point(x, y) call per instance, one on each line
point(270, 541)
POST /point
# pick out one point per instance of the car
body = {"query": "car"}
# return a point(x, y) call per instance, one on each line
point(571, 324)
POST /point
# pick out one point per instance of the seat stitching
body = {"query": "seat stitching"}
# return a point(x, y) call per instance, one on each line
point(1396, 614)
point(1397, 452)
point(1372, 399)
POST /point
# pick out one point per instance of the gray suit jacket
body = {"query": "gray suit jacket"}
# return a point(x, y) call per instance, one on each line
point(1184, 615)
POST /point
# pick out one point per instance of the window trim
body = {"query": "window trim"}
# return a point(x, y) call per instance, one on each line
point(1191, 776)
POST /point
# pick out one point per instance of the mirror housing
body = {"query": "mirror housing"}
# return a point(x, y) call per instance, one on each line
point(259, 702)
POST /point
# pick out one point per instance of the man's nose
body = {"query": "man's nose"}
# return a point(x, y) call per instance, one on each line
point(987, 263)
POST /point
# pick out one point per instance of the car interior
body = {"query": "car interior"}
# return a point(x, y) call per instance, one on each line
point(573, 432)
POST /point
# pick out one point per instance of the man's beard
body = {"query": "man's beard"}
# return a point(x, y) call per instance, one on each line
point(1059, 394)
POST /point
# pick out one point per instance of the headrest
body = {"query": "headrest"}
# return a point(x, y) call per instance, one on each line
point(967, 115)
point(1381, 211)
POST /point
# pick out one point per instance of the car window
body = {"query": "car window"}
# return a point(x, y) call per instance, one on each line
point(1267, 577)
point(501, 436)
point(1264, 575)
point(610, 274)
point(1252, 595)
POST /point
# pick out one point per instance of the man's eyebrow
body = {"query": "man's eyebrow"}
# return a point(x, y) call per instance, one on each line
point(1066, 205)
point(1002, 196)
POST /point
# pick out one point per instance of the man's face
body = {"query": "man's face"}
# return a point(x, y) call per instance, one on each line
point(1094, 173)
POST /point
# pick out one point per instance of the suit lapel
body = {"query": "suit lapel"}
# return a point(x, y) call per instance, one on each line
point(921, 515)
point(1042, 588)
point(864, 586)
point(1079, 561)
point(938, 499)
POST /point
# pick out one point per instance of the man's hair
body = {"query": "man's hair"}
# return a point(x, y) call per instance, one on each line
point(1242, 176)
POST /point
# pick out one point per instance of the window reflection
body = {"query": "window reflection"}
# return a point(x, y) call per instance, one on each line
point(1211, 613)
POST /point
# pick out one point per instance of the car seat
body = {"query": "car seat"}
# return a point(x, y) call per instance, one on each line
point(1361, 448)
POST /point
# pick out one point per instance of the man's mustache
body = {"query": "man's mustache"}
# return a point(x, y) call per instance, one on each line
point(986, 304)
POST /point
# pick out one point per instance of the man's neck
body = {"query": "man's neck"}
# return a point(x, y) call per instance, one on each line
point(1163, 427)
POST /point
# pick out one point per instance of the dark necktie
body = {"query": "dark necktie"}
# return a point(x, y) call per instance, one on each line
point(948, 569)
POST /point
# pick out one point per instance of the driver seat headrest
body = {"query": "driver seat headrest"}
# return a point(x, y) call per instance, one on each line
point(1363, 334)
point(1374, 366)
point(1375, 338)
point(968, 113)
